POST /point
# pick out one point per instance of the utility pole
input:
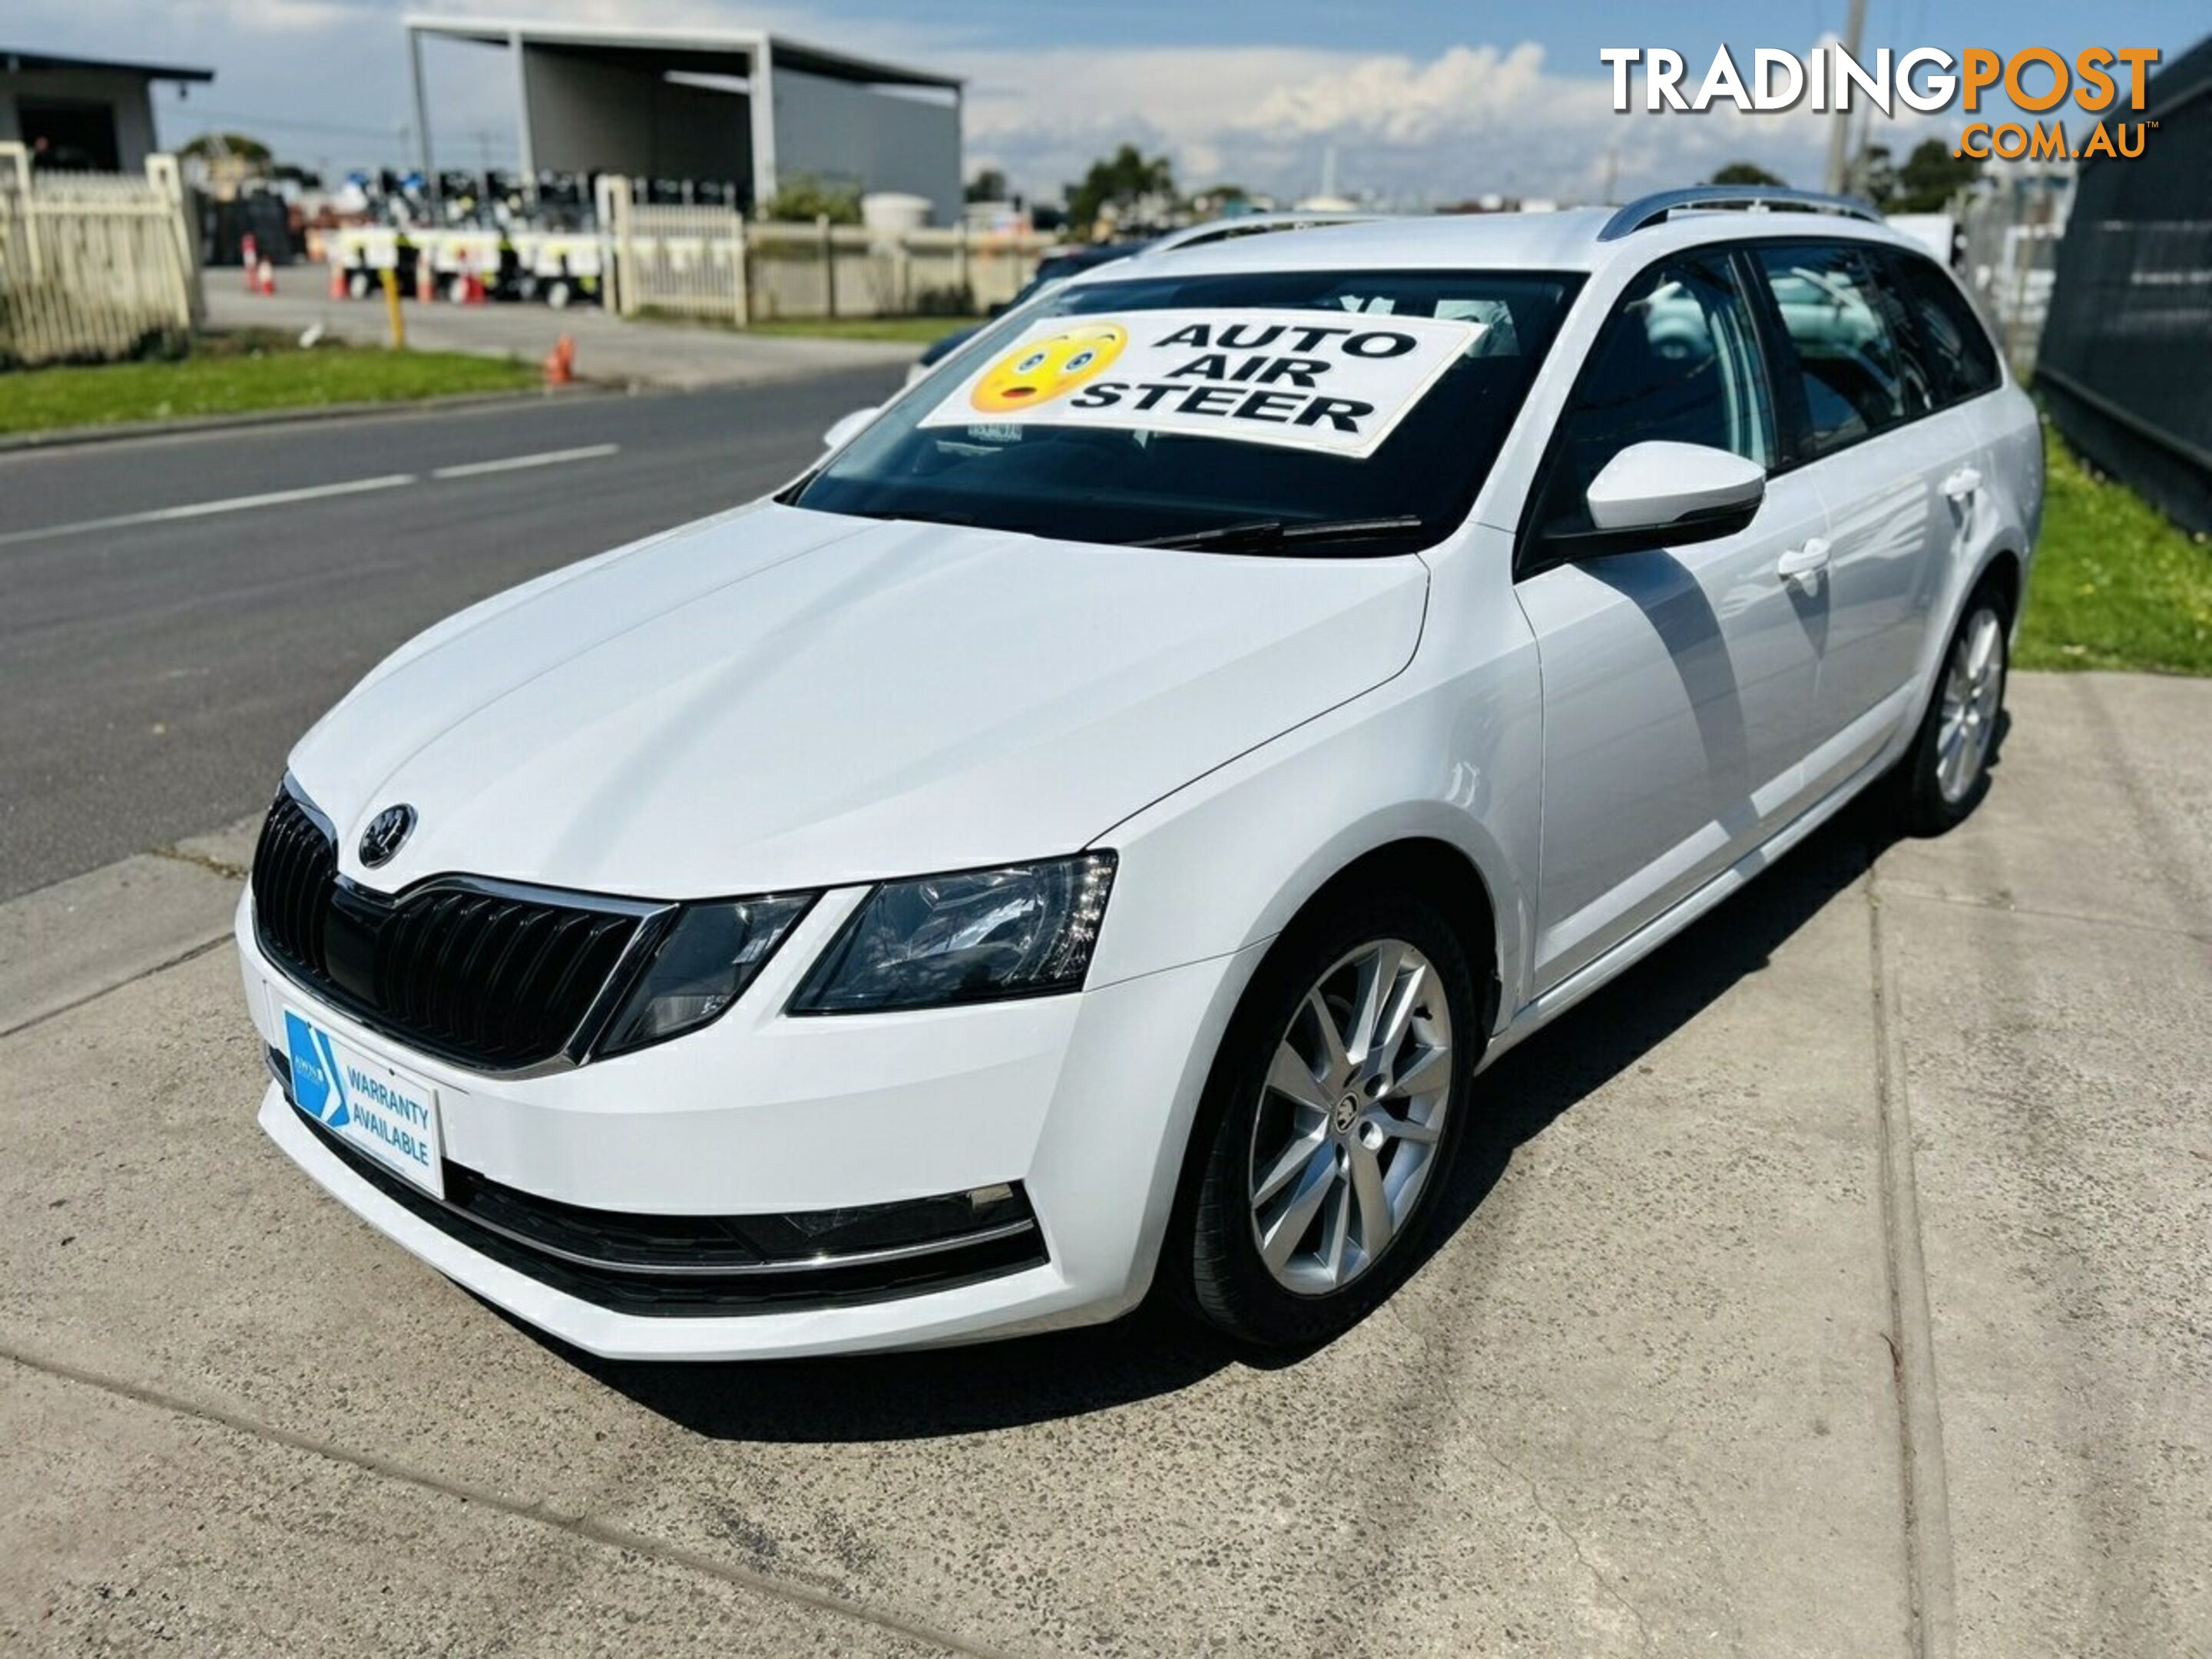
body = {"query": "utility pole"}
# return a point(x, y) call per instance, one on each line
point(1839, 120)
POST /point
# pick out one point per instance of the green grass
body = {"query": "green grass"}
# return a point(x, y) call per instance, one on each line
point(228, 375)
point(2116, 585)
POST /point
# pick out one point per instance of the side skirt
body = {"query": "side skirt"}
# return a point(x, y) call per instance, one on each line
point(1533, 1016)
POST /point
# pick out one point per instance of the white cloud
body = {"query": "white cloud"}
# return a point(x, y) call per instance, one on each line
point(1470, 119)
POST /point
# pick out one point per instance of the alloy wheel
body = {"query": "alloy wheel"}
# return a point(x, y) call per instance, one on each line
point(1974, 689)
point(1350, 1118)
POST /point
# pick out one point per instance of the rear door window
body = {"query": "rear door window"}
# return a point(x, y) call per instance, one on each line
point(1848, 330)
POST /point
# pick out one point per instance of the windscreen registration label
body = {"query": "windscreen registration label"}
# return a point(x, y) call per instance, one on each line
point(1335, 382)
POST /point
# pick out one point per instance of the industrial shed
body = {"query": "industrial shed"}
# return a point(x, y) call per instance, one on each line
point(742, 106)
point(83, 114)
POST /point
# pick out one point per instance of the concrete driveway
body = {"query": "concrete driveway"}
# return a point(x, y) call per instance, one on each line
point(1839, 1283)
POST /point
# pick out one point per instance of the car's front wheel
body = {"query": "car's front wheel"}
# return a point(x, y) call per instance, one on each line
point(1330, 1123)
point(1946, 772)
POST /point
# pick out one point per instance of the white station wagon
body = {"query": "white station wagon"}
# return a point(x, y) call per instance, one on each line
point(1091, 832)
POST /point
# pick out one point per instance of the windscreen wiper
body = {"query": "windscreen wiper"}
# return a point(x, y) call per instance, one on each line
point(1275, 532)
point(905, 515)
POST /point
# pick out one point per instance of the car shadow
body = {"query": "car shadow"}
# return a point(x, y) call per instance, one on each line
point(1613, 1029)
point(1152, 1351)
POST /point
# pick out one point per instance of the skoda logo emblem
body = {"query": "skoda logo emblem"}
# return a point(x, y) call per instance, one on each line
point(386, 834)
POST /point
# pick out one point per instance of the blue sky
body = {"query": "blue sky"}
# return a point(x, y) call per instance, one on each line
point(1421, 101)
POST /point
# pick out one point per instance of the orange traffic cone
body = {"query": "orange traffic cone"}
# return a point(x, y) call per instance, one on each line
point(337, 279)
point(561, 363)
point(265, 280)
point(249, 255)
point(426, 279)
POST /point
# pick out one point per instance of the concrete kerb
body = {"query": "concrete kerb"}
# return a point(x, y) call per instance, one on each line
point(61, 946)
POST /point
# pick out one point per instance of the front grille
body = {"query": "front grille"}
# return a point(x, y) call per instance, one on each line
point(697, 1266)
point(295, 869)
point(489, 975)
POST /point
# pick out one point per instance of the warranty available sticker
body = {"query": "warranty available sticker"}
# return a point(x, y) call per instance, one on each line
point(1302, 379)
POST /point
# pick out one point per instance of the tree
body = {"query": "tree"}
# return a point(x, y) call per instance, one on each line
point(1873, 175)
point(988, 185)
point(803, 198)
point(213, 146)
point(1122, 182)
point(1930, 177)
point(1745, 172)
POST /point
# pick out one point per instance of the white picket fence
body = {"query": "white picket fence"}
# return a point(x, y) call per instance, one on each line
point(707, 262)
point(92, 264)
point(687, 260)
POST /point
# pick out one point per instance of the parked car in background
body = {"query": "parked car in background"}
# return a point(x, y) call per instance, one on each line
point(1052, 269)
point(1057, 267)
point(1087, 834)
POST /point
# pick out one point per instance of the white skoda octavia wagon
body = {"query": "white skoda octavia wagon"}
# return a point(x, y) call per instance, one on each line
point(1091, 832)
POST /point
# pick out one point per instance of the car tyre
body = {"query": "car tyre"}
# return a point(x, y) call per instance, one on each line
point(1947, 771)
point(1355, 1133)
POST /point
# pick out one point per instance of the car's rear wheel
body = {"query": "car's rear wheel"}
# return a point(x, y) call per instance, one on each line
point(1946, 772)
point(1332, 1117)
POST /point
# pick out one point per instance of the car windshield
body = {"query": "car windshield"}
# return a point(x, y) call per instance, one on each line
point(1295, 484)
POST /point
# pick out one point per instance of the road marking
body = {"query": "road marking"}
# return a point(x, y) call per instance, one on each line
point(206, 509)
point(313, 492)
point(515, 463)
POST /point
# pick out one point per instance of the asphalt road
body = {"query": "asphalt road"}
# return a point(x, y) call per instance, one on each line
point(154, 671)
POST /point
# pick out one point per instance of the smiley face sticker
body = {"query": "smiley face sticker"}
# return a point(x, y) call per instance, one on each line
point(1038, 370)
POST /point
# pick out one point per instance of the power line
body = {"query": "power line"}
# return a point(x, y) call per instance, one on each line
point(279, 121)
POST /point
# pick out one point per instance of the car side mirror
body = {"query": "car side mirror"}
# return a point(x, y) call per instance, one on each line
point(1659, 494)
point(846, 427)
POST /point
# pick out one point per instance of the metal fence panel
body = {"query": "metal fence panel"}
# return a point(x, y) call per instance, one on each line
point(2009, 246)
point(2125, 365)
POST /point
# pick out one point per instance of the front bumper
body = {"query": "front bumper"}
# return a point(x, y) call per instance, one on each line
point(1081, 1104)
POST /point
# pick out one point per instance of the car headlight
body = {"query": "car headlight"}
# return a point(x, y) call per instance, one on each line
point(1020, 930)
point(701, 967)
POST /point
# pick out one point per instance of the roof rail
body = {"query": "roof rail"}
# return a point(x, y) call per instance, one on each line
point(1647, 210)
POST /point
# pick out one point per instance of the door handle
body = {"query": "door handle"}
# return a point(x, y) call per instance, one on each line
point(1804, 563)
point(1962, 483)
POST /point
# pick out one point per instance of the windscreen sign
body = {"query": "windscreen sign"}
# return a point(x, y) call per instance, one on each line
point(1303, 379)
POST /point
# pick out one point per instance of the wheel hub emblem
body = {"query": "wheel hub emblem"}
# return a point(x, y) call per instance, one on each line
point(386, 834)
point(1346, 1112)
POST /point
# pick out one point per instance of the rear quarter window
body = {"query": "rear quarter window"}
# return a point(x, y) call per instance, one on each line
point(1947, 334)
